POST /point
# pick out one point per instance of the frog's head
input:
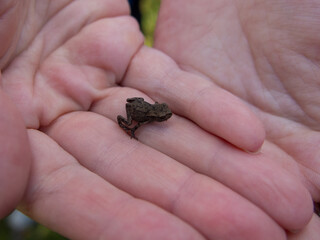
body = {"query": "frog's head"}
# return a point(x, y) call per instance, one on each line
point(162, 112)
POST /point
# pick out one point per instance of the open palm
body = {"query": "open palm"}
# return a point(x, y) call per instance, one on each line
point(68, 67)
point(267, 53)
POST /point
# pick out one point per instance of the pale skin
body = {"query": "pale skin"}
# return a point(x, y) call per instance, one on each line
point(186, 178)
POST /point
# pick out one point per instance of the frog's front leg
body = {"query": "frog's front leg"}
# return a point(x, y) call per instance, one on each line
point(124, 123)
point(133, 129)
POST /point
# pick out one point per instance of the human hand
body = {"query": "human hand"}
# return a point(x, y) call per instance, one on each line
point(88, 176)
point(265, 52)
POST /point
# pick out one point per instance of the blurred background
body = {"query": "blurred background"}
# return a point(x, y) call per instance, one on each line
point(18, 226)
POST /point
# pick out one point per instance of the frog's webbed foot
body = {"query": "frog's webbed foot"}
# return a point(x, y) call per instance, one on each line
point(132, 135)
point(132, 131)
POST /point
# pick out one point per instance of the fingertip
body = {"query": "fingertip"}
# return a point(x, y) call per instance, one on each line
point(302, 206)
point(253, 135)
point(226, 116)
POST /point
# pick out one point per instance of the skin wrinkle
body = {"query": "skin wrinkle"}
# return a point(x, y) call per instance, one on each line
point(297, 118)
point(302, 171)
point(284, 91)
point(274, 136)
point(172, 73)
point(40, 191)
point(105, 231)
point(258, 73)
point(302, 163)
point(231, 59)
point(116, 160)
point(223, 50)
point(314, 189)
point(22, 36)
point(192, 106)
point(284, 87)
point(251, 50)
point(120, 80)
point(159, 89)
point(195, 70)
point(147, 219)
point(253, 56)
point(62, 8)
point(9, 50)
point(179, 193)
point(165, 81)
point(117, 212)
point(265, 182)
point(95, 204)
point(42, 35)
point(63, 82)
point(295, 98)
point(45, 37)
point(7, 6)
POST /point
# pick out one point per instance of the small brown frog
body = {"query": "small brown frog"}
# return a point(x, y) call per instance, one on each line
point(142, 112)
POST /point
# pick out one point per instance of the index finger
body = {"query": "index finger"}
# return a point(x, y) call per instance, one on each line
point(192, 96)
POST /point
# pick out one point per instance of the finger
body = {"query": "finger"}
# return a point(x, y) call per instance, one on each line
point(261, 178)
point(192, 96)
point(15, 156)
point(310, 232)
point(214, 210)
point(77, 203)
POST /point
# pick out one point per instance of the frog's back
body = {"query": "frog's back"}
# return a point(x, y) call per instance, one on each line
point(142, 112)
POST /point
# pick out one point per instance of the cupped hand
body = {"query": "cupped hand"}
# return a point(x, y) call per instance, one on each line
point(267, 54)
point(69, 66)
